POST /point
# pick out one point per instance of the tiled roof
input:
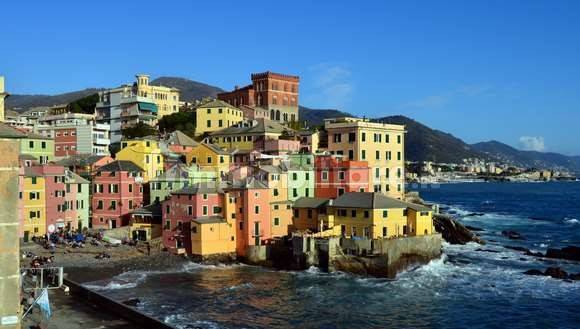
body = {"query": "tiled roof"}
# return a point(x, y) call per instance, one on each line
point(203, 188)
point(153, 209)
point(216, 103)
point(310, 202)
point(179, 138)
point(120, 165)
point(216, 148)
point(261, 127)
point(8, 132)
point(177, 172)
point(75, 178)
point(373, 200)
point(209, 220)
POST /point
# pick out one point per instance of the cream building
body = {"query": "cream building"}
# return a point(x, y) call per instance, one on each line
point(3, 95)
point(166, 98)
point(216, 115)
point(381, 145)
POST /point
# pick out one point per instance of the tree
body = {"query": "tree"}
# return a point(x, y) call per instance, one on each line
point(84, 105)
point(183, 121)
point(139, 130)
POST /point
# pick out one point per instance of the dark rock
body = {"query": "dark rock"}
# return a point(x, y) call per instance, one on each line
point(512, 235)
point(534, 272)
point(453, 231)
point(473, 228)
point(132, 302)
point(474, 214)
point(574, 277)
point(556, 273)
point(569, 253)
point(526, 251)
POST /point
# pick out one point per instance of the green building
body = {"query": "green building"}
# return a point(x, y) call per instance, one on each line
point(300, 168)
point(176, 178)
point(81, 189)
point(38, 146)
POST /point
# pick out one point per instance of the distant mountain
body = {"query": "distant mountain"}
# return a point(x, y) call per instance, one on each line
point(21, 103)
point(425, 144)
point(315, 117)
point(190, 90)
point(507, 154)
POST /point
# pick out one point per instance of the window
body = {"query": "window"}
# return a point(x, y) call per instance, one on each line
point(208, 123)
point(307, 176)
point(146, 158)
point(217, 210)
point(296, 213)
point(158, 159)
point(130, 204)
point(220, 123)
point(341, 175)
point(208, 160)
point(385, 213)
point(351, 137)
point(130, 188)
point(366, 214)
point(354, 231)
point(100, 204)
point(307, 192)
point(387, 172)
point(167, 225)
point(205, 210)
point(221, 159)
point(350, 154)
point(189, 210)
point(353, 213)
point(398, 172)
point(398, 187)
point(167, 209)
point(257, 209)
point(204, 196)
point(241, 226)
point(194, 230)
point(377, 172)
point(294, 176)
point(363, 154)
point(275, 192)
point(276, 207)
point(378, 155)
point(387, 139)
point(325, 175)
point(295, 192)
point(399, 156)
point(33, 180)
point(342, 212)
point(384, 231)
point(337, 138)
point(31, 144)
point(398, 139)
point(276, 221)
point(113, 205)
point(43, 145)
point(340, 191)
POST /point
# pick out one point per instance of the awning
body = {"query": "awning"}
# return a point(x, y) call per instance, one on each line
point(148, 107)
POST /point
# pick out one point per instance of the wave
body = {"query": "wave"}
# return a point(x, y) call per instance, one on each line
point(193, 266)
point(571, 220)
point(123, 281)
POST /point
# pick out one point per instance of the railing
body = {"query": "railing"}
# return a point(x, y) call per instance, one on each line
point(41, 277)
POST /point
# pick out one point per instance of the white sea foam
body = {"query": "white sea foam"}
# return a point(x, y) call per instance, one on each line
point(123, 281)
point(193, 266)
point(571, 220)
point(246, 285)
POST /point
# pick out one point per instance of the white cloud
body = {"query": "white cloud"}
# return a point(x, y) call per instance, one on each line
point(332, 86)
point(532, 143)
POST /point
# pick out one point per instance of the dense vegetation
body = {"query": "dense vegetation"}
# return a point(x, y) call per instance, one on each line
point(184, 121)
point(84, 105)
point(139, 130)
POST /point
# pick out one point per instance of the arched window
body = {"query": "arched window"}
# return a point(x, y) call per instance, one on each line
point(272, 115)
point(277, 115)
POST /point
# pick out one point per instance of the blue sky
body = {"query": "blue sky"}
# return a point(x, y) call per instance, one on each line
point(481, 70)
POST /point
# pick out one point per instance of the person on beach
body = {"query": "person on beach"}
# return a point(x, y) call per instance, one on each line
point(148, 249)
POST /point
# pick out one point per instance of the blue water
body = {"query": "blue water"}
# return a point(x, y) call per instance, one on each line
point(466, 288)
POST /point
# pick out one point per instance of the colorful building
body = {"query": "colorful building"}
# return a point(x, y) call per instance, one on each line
point(179, 143)
point(309, 214)
point(75, 133)
point(176, 178)
point(33, 196)
point(216, 115)
point(276, 178)
point(38, 146)
point(270, 92)
point(335, 176)
point(381, 145)
point(78, 195)
point(84, 165)
point(166, 98)
point(204, 202)
point(145, 153)
point(249, 135)
point(374, 215)
point(117, 190)
point(210, 157)
point(146, 222)
point(300, 168)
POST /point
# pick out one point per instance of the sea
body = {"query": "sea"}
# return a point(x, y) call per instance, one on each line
point(470, 286)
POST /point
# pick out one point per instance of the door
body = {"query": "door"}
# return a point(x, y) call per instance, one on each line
point(134, 236)
point(142, 235)
point(26, 236)
point(113, 223)
point(343, 230)
point(405, 229)
point(257, 233)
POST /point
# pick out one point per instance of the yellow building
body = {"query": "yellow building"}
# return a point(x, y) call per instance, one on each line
point(212, 235)
point(242, 135)
point(310, 214)
point(3, 95)
point(216, 115)
point(166, 98)
point(33, 205)
point(210, 157)
point(374, 215)
point(145, 153)
point(381, 145)
point(145, 223)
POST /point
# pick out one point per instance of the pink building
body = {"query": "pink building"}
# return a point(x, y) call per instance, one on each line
point(277, 146)
point(253, 220)
point(334, 176)
point(117, 190)
point(202, 200)
point(59, 213)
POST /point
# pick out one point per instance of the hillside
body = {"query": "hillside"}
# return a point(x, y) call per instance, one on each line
point(507, 154)
point(21, 103)
point(315, 117)
point(425, 144)
point(190, 90)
